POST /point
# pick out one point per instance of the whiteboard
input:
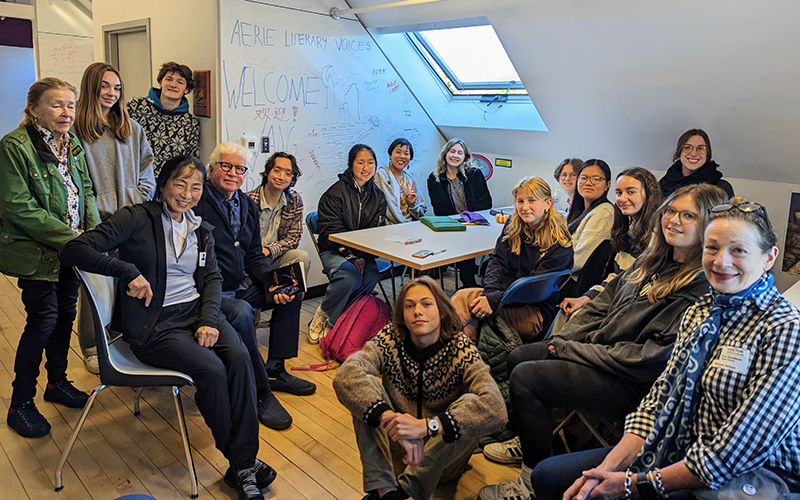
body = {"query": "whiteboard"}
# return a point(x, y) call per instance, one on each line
point(315, 86)
point(65, 56)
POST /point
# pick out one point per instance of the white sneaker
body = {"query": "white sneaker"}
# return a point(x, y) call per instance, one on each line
point(92, 364)
point(515, 490)
point(508, 452)
point(319, 327)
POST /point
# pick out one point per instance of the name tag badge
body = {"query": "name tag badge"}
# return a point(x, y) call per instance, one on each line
point(735, 359)
point(202, 259)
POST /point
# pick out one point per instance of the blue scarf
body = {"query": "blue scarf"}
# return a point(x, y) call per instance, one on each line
point(670, 436)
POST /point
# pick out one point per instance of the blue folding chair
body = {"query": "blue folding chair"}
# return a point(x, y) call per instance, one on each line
point(534, 289)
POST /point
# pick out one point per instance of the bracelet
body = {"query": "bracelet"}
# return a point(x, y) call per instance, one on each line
point(651, 480)
point(641, 480)
point(659, 483)
point(628, 484)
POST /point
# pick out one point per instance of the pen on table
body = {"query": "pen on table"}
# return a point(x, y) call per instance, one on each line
point(437, 252)
point(411, 241)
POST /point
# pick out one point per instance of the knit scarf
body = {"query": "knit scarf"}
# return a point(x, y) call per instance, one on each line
point(675, 179)
point(671, 436)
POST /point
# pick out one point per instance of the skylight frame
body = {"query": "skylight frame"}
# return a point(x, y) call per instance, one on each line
point(448, 79)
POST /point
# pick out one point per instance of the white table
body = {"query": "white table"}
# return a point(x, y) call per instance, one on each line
point(458, 245)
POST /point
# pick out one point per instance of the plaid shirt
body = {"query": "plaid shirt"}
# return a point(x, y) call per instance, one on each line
point(290, 228)
point(741, 421)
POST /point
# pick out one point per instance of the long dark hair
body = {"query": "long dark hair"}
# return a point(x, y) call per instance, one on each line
point(450, 324)
point(351, 156)
point(632, 234)
point(684, 138)
point(576, 210)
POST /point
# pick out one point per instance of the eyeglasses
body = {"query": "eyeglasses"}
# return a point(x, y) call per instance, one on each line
point(566, 175)
point(701, 149)
point(685, 217)
point(748, 207)
point(226, 167)
point(591, 179)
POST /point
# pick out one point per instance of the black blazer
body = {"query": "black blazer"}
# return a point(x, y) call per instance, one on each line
point(138, 233)
point(475, 191)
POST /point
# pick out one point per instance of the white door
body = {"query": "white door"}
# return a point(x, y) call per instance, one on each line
point(133, 63)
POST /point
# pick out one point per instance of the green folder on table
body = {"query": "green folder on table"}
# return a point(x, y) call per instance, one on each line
point(443, 223)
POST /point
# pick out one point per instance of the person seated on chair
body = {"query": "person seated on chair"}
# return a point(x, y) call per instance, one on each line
point(353, 202)
point(590, 217)
point(456, 185)
point(168, 309)
point(46, 198)
point(412, 436)
point(403, 199)
point(609, 353)
point(722, 420)
point(281, 216)
point(535, 241)
point(244, 268)
point(637, 199)
point(566, 174)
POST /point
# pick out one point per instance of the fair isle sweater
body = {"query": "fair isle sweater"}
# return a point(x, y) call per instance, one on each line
point(423, 384)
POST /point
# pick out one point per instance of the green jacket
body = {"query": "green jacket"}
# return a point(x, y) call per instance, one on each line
point(33, 204)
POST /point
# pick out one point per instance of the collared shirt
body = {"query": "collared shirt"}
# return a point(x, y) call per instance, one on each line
point(180, 239)
point(73, 195)
point(270, 218)
point(290, 227)
point(746, 414)
point(223, 202)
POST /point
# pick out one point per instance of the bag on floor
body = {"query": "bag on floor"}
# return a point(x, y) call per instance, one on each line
point(355, 327)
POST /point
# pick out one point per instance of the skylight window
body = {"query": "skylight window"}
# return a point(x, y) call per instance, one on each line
point(470, 61)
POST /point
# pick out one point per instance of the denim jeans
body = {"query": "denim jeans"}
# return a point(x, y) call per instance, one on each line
point(552, 477)
point(540, 382)
point(345, 283)
point(50, 310)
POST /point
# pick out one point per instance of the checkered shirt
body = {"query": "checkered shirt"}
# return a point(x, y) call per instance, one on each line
point(290, 228)
point(741, 422)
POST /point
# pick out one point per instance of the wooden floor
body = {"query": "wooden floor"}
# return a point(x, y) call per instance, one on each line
point(119, 454)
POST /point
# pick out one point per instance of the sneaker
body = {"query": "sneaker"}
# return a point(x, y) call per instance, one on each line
point(27, 421)
point(265, 475)
point(65, 393)
point(280, 380)
point(515, 490)
point(319, 327)
point(507, 452)
point(272, 414)
point(247, 485)
point(92, 364)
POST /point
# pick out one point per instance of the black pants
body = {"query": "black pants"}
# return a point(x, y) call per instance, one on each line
point(50, 310)
point(466, 272)
point(284, 327)
point(540, 382)
point(222, 374)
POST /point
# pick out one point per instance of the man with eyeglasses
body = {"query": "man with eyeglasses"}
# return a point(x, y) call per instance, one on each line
point(235, 218)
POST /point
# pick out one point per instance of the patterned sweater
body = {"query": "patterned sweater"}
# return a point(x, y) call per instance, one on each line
point(170, 133)
point(423, 384)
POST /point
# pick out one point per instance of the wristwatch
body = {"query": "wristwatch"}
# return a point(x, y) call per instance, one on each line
point(433, 426)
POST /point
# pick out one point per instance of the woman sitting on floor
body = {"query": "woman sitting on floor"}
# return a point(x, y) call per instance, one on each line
point(412, 436)
point(722, 421)
point(353, 202)
point(168, 296)
point(637, 199)
point(534, 241)
point(608, 355)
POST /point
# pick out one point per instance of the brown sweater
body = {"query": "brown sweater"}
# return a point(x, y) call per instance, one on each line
point(423, 384)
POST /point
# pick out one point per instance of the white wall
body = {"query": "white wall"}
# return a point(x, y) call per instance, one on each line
point(17, 74)
point(775, 196)
point(182, 31)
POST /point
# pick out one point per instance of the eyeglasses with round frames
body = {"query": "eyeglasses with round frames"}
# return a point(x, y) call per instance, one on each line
point(748, 207)
point(684, 216)
point(701, 149)
point(591, 179)
point(568, 175)
point(226, 167)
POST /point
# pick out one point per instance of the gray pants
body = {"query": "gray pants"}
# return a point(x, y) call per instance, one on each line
point(382, 458)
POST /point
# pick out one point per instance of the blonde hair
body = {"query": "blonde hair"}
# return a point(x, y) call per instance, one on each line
point(441, 160)
point(36, 92)
point(655, 258)
point(89, 121)
point(552, 227)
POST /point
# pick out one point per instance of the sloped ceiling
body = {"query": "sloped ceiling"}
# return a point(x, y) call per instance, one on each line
point(622, 79)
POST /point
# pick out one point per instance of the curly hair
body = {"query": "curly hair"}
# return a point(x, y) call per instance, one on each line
point(441, 160)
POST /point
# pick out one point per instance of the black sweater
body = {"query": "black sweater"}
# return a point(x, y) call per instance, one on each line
point(138, 233)
point(475, 191)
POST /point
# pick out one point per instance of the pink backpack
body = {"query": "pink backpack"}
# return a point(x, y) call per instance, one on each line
point(355, 327)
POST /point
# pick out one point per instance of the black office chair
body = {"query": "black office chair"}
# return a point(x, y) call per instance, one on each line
point(383, 264)
point(595, 269)
point(119, 367)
